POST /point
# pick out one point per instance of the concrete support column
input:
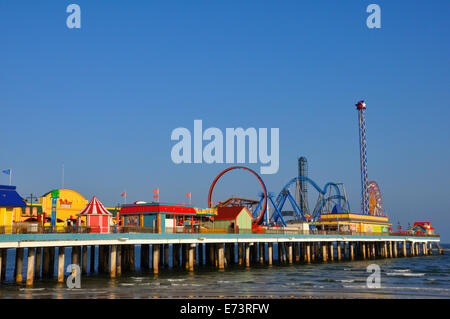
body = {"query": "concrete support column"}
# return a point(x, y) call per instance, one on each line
point(30, 267)
point(1, 263)
point(46, 262)
point(324, 251)
point(155, 258)
point(52, 261)
point(254, 253)
point(145, 256)
point(61, 259)
point(315, 252)
point(131, 258)
point(352, 255)
point(19, 265)
point(247, 255)
point(212, 255)
point(112, 268)
point(280, 253)
point(345, 250)
point(331, 255)
point(184, 256)
point(227, 254)
point(240, 254)
point(270, 254)
point(119, 260)
point(290, 254)
point(200, 255)
point(166, 256)
point(37, 268)
point(391, 250)
point(221, 256)
point(363, 250)
point(395, 249)
point(191, 256)
point(176, 255)
point(339, 252)
point(261, 253)
point(297, 252)
point(100, 258)
point(308, 253)
point(84, 260)
point(92, 263)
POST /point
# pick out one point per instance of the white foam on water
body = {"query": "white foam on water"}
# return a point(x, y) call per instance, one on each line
point(347, 280)
point(31, 289)
point(174, 280)
point(403, 274)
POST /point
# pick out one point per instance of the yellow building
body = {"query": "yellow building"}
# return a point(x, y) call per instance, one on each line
point(68, 205)
point(352, 222)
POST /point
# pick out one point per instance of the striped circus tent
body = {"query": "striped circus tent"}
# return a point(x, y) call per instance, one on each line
point(98, 218)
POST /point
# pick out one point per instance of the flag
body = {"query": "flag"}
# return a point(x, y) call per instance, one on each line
point(156, 196)
point(156, 191)
point(188, 195)
point(7, 171)
point(124, 194)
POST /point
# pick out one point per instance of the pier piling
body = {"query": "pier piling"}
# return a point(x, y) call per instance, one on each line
point(30, 267)
point(37, 267)
point(270, 254)
point(155, 258)
point(19, 265)
point(61, 257)
point(112, 270)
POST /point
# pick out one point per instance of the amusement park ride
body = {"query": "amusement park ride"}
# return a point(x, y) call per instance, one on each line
point(332, 198)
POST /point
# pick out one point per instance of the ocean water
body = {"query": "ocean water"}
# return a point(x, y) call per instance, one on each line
point(412, 277)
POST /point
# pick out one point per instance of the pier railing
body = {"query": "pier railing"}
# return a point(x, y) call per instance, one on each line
point(36, 228)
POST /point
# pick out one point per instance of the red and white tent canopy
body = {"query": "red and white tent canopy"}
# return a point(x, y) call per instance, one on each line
point(94, 207)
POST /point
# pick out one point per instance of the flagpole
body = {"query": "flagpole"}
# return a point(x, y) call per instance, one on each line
point(10, 176)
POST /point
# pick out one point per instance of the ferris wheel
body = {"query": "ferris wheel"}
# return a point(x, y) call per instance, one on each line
point(375, 201)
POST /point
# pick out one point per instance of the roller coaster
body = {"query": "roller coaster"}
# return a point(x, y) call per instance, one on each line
point(331, 198)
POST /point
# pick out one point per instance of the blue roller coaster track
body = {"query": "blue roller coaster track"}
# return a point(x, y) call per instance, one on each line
point(285, 194)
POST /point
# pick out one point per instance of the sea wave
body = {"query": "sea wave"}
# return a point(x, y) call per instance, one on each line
point(405, 274)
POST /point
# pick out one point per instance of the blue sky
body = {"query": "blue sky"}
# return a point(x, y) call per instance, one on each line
point(104, 99)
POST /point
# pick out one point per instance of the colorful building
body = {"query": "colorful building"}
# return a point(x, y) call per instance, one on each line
point(68, 205)
point(422, 228)
point(10, 207)
point(98, 218)
point(164, 217)
point(352, 222)
point(233, 219)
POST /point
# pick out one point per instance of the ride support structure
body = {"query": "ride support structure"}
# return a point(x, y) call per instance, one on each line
point(361, 107)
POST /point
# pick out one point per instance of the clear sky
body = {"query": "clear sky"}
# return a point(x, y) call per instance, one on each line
point(104, 99)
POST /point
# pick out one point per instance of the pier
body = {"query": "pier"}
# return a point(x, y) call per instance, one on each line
point(191, 251)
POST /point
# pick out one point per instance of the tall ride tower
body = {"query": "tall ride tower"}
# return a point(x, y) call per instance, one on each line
point(361, 107)
point(303, 186)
